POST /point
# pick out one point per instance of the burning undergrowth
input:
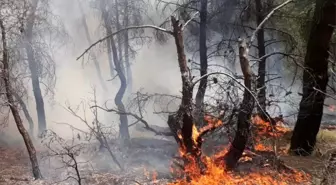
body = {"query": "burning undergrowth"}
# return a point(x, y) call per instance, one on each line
point(254, 168)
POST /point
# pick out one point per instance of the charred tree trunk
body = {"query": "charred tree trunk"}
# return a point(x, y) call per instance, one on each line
point(315, 76)
point(174, 127)
point(26, 113)
point(246, 107)
point(94, 58)
point(261, 86)
point(126, 51)
point(34, 70)
point(123, 127)
point(13, 107)
point(204, 63)
point(184, 114)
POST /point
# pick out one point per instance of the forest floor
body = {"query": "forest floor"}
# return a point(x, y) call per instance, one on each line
point(146, 158)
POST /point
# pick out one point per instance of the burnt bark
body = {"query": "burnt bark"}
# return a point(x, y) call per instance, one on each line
point(94, 57)
point(174, 127)
point(261, 86)
point(13, 107)
point(261, 83)
point(246, 107)
point(315, 79)
point(189, 145)
point(26, 113)
point(184, 115)
point(34, 70)
point(203, 63)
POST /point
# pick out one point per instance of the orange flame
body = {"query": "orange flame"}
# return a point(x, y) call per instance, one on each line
point(216, 173)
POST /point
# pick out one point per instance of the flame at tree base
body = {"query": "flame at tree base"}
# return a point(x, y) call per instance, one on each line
point(215, 172)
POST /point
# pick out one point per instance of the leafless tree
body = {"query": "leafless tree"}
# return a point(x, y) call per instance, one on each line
point(315, 78)
point(66, 152)
point(34, 61)
point(96, 128)
point(33, 66)
point(12, 104)
point(93, 56)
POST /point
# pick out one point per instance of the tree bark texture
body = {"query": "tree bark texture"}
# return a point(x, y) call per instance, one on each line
point(184, 117)
point(13, 107)
point(246, 107)
point(204, 63)
point(34, 70)
point(315, 76)
point(261, 86)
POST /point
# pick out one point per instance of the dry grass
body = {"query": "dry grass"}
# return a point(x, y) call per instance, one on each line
point(317, 162)
point(326, 136)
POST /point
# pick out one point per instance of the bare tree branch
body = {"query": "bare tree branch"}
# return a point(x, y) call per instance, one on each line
point(266, 18)
point(193, 16)
point(122, 30)
point(136, 117)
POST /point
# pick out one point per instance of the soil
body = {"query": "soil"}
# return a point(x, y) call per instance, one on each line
point(143, 159)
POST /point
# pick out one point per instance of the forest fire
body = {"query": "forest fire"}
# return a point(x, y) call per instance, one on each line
point(265, 129)
point(215, 172)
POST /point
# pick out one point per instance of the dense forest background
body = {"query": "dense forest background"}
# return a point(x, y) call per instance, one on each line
point(192, 92)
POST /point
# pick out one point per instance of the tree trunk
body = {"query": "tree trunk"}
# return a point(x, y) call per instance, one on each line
point(34, 70)
point(123, 127)
point(315, 76)
point(118, 27)
point(126, 50)
point(108, 41)
point(94, 58)
point(184, 114)
point(14, 109)
point(109, 52)
point(204, 63)
point(26, 113)
point(261, 86)
point(246, 107)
